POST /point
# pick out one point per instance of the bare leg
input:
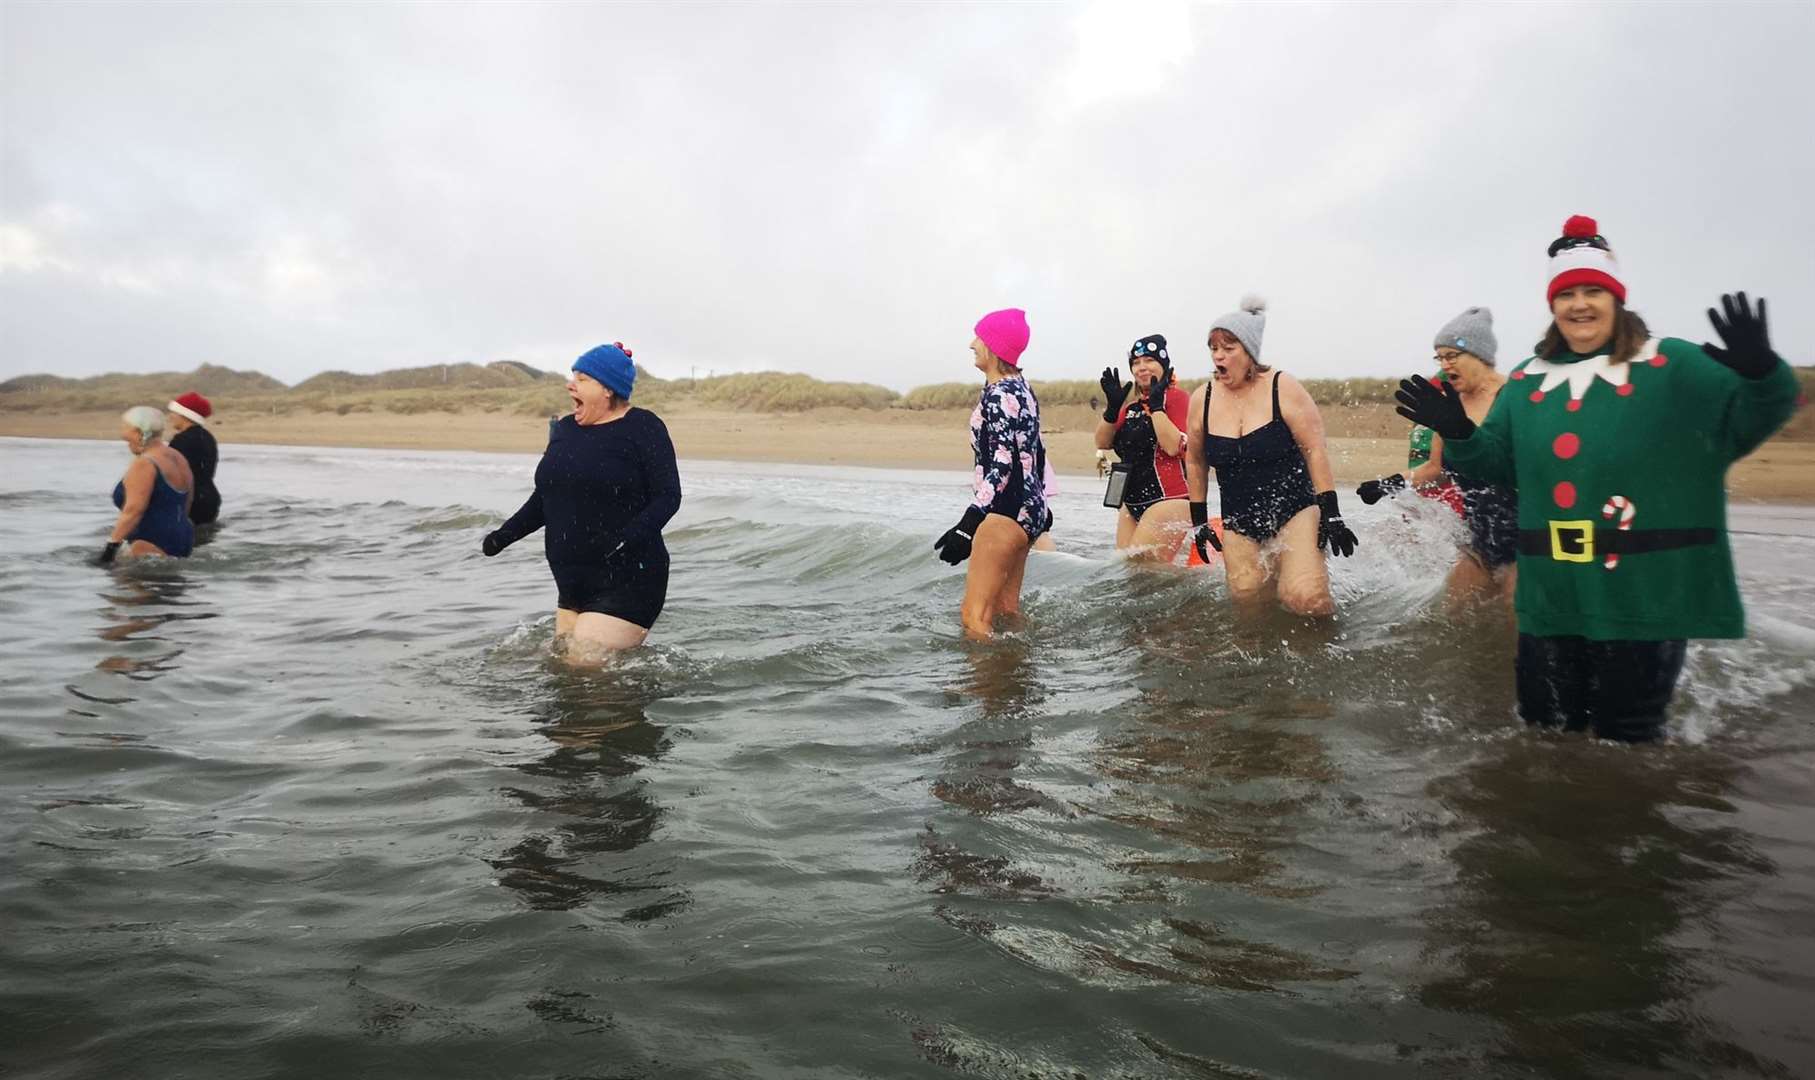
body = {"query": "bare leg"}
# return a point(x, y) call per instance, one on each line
point(1245, 565)
point(1304, 578)
point(1468, 582)
point(144, 547)
point(1124, 528)
point(1163, 529)
point(595, 633)
point(1044, 543)
point(998, 559)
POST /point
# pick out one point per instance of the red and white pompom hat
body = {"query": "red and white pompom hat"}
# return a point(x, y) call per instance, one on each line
point(1581, 256)
point(194, 406)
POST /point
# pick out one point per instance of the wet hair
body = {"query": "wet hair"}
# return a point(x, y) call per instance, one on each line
point(1258, 366)
point(1629, 335)
point(148, 420)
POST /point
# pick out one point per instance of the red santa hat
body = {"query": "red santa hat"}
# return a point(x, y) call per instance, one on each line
point(1582, 256)
point(194, 406)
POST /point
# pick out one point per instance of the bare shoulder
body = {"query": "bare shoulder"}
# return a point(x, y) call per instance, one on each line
point(1292, 392)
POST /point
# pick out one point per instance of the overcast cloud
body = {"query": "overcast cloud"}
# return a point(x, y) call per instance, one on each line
point(843, 190)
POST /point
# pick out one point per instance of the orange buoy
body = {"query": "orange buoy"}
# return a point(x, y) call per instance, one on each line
point(1191, 559)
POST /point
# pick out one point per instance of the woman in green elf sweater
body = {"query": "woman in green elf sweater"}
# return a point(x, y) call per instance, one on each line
point(1618, 444)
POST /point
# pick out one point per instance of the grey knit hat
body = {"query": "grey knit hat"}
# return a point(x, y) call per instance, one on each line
point(1472, 332)
point(1247, 325)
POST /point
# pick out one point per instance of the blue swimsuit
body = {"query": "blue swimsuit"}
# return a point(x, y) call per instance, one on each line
point(166, 519)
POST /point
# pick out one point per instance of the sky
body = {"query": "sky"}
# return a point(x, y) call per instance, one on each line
point(842, 190)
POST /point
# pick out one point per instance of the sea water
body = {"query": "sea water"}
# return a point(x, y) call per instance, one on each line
point(319, 802)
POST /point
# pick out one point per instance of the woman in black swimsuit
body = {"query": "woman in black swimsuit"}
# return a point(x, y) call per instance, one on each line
point(1263, 435)
point(1148, 434)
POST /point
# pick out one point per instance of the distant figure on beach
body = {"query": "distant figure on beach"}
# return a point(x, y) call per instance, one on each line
point(1148, 435)
point(188, 420)
point(1263, 435)
point(1465, 349)
point(605, 487)
point(1617, 444)
point(1008, 502)
point(153, 496)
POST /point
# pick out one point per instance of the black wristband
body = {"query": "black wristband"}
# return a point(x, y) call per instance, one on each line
point(1200, 513)
point(1326, 504)
point(973, 517)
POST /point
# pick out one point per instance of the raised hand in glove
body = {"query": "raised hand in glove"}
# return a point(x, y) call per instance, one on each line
point(108, 553)
point(493, 543)
point(1372, 491)
point(1201, 532)
point(1746, 336)
point(1156, 393)
point(1115, 391)
point(955, 546)
point(1436, 406)
point(1331, 531)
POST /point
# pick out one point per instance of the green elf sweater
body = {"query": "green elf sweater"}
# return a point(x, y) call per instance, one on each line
point(1593, 447)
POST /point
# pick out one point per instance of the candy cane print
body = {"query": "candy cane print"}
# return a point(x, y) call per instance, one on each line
point(1622, 506)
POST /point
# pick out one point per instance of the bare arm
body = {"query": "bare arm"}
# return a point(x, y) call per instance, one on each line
point(140, 476)
point(1306, 425)
point(1197, 482)
point(1430, 473)
point(1105, 434)
point(1166, 432)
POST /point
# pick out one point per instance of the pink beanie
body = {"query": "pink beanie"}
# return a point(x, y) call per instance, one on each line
point(1005, 332)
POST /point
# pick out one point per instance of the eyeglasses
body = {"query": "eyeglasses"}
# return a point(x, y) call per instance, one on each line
point(1448, 357)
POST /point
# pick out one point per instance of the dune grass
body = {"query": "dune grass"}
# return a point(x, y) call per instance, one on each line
point(517, 389)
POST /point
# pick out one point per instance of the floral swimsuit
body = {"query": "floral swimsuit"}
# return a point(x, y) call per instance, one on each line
point(1011, 459)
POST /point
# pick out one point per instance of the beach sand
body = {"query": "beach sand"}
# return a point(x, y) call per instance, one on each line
point(1365, 441)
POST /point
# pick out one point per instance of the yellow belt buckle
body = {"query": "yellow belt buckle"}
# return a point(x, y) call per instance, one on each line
point(1582, 530)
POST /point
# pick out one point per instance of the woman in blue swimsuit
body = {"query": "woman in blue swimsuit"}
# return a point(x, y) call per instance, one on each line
point(1263, 435)
point(154, 495)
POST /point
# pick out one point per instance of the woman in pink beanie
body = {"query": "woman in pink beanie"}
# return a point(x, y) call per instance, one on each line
point(1008, 498)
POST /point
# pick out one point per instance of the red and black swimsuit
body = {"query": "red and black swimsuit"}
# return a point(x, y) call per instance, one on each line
point(1153, 475)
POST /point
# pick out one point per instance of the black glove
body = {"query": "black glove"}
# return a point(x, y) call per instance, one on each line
point(108, 551)
point(1746, 336)
point(1203, 533)
point(1437, 407)
point(1330, 529)
point(493, 543)
point(1115, 391)
point(955, 546)
point(1156, 394)
point(1372, 491)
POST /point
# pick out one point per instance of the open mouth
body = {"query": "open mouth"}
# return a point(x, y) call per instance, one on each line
point(1222, 372)
point(575, 398)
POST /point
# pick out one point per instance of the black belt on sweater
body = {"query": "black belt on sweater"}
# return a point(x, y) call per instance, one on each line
point(1584, 541)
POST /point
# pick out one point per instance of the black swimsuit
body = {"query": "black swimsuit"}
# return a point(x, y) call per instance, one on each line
point(196, 444)
point(1262, 475)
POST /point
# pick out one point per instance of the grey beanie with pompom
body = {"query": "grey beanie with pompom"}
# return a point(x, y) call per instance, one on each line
point(1247, 324)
